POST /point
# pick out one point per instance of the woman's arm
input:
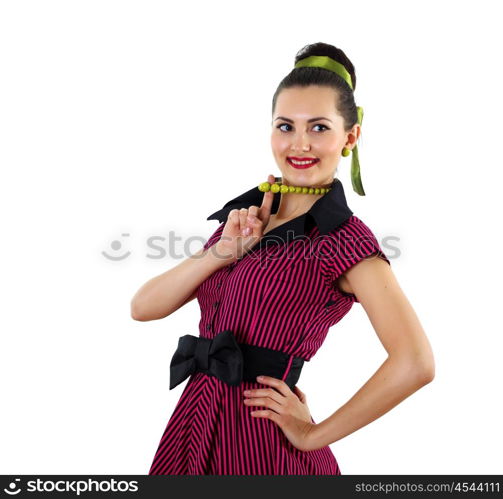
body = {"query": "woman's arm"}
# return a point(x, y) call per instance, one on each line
point(166, 293)
point(410, 363)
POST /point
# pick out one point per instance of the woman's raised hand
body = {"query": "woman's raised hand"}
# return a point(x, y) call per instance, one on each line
point(245, 227)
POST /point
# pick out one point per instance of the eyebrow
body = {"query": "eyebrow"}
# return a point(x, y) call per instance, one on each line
point(309, 121)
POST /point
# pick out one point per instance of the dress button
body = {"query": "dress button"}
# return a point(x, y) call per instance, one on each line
point(208, 326)
point(219, 284)
point(215, 305)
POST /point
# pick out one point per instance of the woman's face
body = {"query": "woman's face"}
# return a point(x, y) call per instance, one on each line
point(306, 125)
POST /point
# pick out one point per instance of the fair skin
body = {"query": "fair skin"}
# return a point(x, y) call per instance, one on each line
point(410, 362)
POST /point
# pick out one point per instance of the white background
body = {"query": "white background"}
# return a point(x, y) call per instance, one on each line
point(141, 118)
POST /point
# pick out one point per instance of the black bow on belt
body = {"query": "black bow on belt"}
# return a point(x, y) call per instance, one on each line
point(219, 356)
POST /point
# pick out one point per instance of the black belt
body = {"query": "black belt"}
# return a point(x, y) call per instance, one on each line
point(230, 361)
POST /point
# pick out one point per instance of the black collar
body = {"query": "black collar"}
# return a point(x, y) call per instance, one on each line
point(328, 212)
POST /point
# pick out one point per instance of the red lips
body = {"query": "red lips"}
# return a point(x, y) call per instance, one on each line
point(302, 167)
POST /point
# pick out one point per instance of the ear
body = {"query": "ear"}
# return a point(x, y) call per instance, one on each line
point(353, 136)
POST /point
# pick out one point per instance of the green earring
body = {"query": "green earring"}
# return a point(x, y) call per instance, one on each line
point(345, 152)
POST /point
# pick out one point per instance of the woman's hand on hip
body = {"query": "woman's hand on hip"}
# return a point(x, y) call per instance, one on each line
point(287, 408)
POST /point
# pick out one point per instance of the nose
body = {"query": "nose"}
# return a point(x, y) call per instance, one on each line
point(300, 142)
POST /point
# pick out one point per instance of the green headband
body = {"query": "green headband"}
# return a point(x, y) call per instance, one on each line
point(323, 61)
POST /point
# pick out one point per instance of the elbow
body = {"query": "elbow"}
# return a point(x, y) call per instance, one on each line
point(136, 312)
point(144, 314)
point(427, 375)
point(418, 369)
point(425, 370)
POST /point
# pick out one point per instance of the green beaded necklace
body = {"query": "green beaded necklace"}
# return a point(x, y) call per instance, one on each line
point(279, 187)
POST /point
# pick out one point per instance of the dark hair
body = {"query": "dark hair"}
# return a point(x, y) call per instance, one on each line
point(305, 76)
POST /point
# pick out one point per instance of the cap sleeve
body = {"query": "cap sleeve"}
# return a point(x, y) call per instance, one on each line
point(347, 245)
point(214, 237)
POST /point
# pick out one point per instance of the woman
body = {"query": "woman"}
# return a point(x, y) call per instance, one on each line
point(267, 303)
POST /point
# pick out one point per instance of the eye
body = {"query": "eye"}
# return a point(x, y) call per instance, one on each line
point(286, 124)
point(282, 124)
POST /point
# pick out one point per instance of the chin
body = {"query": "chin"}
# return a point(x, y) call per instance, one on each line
point(308, 175)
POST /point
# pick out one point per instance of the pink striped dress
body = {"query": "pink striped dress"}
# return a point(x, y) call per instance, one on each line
point(282, 296)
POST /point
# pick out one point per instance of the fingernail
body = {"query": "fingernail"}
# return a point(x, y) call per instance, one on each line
point(260, 377)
